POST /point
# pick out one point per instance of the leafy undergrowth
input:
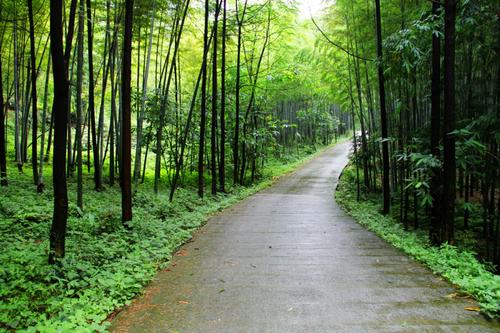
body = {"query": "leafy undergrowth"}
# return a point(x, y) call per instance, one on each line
point(106, 264)
point(459, 266)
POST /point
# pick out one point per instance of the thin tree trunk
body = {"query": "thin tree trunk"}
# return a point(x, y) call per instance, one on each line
point(34, 130)
point(222, 160)
point(70, 32)
point(17, 140)
point(213, 133)
point(146, 157)
point(41, 185)
point(3, 159)
point(49, 141)
point(25, 103)
point(366, 177)
point(91, 105)
point(140, 116)
point(60, 109)
point(112, 121)
point(108, 50)
point(238, 89)
point(354, 140)
point(79, 83)
point(383, 114)
point(125, 127)
point(70, 164)
point(203, 110)
point(67, 57)
point(89, 131)
point(435, 190)
point(449, 163)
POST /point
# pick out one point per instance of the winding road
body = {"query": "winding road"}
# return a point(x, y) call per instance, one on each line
point(288, 259)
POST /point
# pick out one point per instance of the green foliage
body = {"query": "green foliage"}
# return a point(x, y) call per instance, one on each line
point(470, 151)
point(422, 166)
point(458, 266)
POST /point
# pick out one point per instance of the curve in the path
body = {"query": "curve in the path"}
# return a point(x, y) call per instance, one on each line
point(290, 260)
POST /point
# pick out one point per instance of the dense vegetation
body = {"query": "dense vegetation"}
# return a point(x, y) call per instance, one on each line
point(149, 105)
point(441, 75)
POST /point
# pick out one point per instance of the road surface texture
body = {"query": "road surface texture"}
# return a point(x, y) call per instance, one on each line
point(290, 260)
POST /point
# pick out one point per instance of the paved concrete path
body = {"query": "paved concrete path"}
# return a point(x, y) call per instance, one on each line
point(289, 260)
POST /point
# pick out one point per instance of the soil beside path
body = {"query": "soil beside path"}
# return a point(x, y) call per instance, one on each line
point(290, 260)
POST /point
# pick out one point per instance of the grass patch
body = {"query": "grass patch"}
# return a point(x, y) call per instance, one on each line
point(458, 266)
point(106, 265)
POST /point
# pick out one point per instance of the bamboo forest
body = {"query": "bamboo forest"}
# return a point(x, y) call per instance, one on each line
point(249, 166)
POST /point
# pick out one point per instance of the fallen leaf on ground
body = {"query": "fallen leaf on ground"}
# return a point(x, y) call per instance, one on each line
point(181, 253)
point(473, 308)
point(458, 295)
point(183, 302)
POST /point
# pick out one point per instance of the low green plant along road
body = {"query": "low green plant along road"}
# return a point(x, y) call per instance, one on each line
point(456, 264)
point(288, 259)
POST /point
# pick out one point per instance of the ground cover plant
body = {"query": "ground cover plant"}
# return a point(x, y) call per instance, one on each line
point(458, 265)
